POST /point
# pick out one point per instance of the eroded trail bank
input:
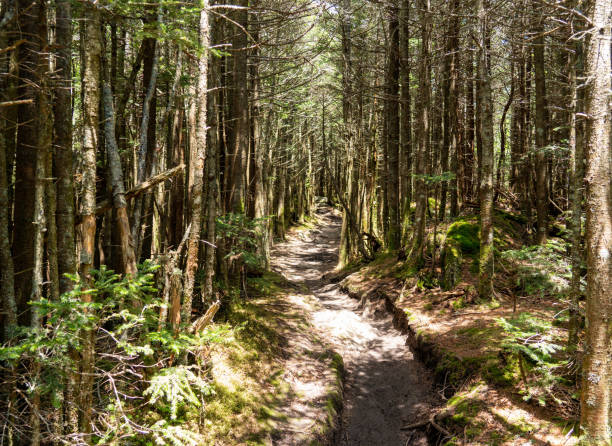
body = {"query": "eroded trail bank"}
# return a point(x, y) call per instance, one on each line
point(386, 387)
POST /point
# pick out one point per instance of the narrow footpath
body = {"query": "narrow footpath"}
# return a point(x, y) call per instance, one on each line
point(386, 387)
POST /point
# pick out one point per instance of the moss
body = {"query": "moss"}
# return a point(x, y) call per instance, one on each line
point(458, 303)
point(451, 261)
point(465, 233)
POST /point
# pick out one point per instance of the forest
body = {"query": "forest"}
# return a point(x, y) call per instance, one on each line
point(286, 222)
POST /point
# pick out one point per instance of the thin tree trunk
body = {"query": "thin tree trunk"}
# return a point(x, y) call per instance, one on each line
point(576, 142)
point(145, 150)
point(502, 135)
point(392, 118)
point(128, 258)
point(485, 278)
point(63, 169)
point(416, 254)
point(197, 155)
point(540, 130)
point(91, 101)
point(406, 117)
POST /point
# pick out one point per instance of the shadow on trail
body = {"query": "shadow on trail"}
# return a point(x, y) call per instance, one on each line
point(386, 386)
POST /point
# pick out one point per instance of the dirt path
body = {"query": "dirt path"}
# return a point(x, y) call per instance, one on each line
point(386, 387)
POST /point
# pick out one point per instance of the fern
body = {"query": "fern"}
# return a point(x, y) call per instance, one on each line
point(530, 338)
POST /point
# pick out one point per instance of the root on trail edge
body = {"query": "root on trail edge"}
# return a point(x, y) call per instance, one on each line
point(431, 421)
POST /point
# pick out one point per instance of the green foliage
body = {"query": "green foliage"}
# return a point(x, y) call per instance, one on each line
point(244, 233)
point(131, 346)
point(176, 386)
point(541, 269)
point(532, 340)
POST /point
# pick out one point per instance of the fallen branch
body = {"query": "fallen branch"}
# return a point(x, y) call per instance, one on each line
point(203, 321)
point(432, 421)
point(139, 189)
point(447, 296)
point(17, 102)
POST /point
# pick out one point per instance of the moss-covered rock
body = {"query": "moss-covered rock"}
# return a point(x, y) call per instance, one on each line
point(464, 234)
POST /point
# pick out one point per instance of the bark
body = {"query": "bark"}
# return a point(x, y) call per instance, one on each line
point(91, 101)
point(147, 139)
point(25, 169)
point(63, 159)
point(128, 258)
point(541, 134)
point(502, 137)
point(8, 320)
point(392, 118)
point(260, 174)
point(449, 102)
point(197, 154)
point(239, 135)
point(596, 386)
point(416, 254)
point(467, 161)
point(406, 116)
point(485, 278)
point(576, 142)
point(451, 111)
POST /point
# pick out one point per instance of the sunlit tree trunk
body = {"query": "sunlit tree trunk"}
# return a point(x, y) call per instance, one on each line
point(576, 143)
point(485, 104)
point(91, 102)
point(596, 386)
point(197, 157)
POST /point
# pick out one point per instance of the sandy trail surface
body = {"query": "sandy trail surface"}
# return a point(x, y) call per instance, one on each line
point(386, 387)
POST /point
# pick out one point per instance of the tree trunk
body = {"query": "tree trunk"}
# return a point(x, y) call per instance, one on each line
point(91, 102)
point(147, 137)
point(540, 130)
point(239, 141)
point(576, 143)
point(485, 278)
point(406, 117)
point(196, 158)
point(25, 169)
point(416, 254)
point(392, 119)
point(7, 271)
point(128, 258)
point(595, 398)
point(63, 161)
